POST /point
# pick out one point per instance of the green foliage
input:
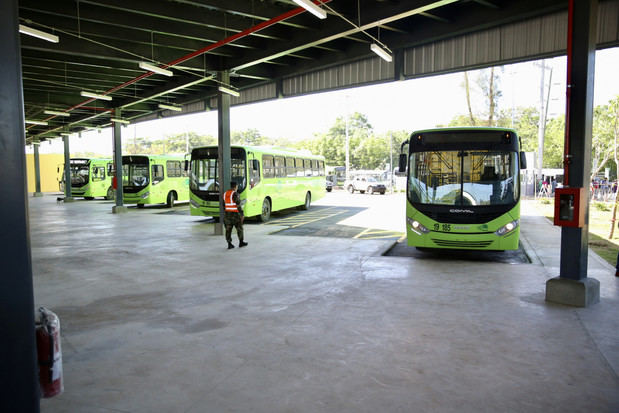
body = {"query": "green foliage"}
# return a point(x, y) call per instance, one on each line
point(601, 206)
point(545, 201)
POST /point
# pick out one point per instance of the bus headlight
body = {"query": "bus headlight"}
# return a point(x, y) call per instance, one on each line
point(417, 227)
point(145, 195)
point(507, 228)
point(194, 204)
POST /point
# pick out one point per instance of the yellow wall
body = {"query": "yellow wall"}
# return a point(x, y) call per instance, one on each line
point(49, 164)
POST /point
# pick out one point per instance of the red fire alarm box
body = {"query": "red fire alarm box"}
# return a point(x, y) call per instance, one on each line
point(569, 207)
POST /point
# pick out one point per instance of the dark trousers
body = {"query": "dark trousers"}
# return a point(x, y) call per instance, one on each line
point(233, 219)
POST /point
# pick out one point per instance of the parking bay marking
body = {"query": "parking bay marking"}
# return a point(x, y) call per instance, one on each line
point(307, 218)
point(369, 233)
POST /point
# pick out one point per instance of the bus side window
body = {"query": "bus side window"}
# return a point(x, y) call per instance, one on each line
point(267, 164)
point(308, 167)
point(254, 173)
point(299, 167)
point(157, 172)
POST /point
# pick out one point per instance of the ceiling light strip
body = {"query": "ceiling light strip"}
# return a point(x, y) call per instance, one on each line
point(156, 69)
point(382, 53)
point(228, 91)
point(312, 8)
point(171, 107)
point(95, 95)
point(38, 34)
point(56, 113)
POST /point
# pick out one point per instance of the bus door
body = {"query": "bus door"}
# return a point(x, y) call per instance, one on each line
point(157, 190)
point(99, 183)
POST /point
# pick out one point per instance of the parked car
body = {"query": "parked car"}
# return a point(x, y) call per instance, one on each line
point(364, 184)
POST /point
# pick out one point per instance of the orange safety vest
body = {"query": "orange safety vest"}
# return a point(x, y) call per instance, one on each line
point(230, 205)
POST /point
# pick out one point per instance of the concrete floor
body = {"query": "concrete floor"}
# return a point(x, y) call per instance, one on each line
point(157, 316)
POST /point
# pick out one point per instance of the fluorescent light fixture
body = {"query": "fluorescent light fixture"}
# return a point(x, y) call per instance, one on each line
point(381, 52)
point(124, 122)
point(229, 91)
point(56, 113)
point(36, 122)
point(95, 96)
point(38, 33)
point(170, 107)
point(312, 8)
point(155, 69)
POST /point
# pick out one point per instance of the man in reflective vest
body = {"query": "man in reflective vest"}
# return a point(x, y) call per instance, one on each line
point(233, 215)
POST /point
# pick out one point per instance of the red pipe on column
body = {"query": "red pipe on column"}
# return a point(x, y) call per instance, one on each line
point(568, 94)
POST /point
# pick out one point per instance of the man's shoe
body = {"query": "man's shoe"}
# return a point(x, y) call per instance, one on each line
point(230, 246)
point(242, 244)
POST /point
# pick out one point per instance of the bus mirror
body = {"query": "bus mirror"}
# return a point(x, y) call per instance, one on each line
point(186, 165)
point(523, 161)
point(254, 165)
point(402, 163)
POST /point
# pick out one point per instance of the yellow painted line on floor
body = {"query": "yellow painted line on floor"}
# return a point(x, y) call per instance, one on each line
point(361, 233)
point(317, 219)
point(368, 233)
point(305, 218)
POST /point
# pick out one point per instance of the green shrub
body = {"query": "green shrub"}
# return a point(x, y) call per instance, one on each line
point(545, 201)
point(601, 206)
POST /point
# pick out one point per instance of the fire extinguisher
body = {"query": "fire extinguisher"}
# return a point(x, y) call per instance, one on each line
point(49, 353)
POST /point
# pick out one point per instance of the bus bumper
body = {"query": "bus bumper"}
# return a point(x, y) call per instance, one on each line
point(463, 241)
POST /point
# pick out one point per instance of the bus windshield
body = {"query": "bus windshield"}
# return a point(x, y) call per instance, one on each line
point(463, 178)
point(205, 171)
point(79, 174)
point(135, 174)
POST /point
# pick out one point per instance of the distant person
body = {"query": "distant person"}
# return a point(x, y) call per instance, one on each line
point(233, 215)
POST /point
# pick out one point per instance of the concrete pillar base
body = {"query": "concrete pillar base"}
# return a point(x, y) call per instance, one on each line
point(37, 194)
point(119, 209)
point(68, 199)
point(219, 228)
point(577, 293)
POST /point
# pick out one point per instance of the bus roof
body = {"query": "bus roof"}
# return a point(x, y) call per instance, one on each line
point(158, 157)
point(465, 129)
point(272, 150)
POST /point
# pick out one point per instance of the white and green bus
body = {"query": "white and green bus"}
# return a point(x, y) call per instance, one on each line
point(463, 188)
point(154, 179)
point(269, 179)
point(90, 178)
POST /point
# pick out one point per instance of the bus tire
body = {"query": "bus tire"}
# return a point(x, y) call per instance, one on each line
point(171, 199)
point(361, 192)
point(110, 194)
point(308, 201)
point(351, 189)
point(265, 215)
point(140, 205)
point(370, 190)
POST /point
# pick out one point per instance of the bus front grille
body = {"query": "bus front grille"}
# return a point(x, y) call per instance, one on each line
point(461, 244)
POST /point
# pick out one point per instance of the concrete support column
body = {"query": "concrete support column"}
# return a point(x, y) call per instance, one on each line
point(67, 170)
point(118, 161)
point(223, 143)
point(18, 374)
point(37, 171)
point(573, 287)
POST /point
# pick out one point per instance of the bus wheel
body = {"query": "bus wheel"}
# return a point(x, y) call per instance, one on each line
point(171, 199)
point(370, 190)
point(351, 189)
point(308, 201)
point(140, 205)
point(110, 194)
point(266, 210)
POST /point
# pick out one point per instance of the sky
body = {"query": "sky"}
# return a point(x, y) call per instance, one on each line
point(405, 105)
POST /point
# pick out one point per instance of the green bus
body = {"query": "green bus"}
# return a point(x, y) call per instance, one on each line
point(154, 179)
point(463, 188)
point(269, 179)
point(89, 178)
